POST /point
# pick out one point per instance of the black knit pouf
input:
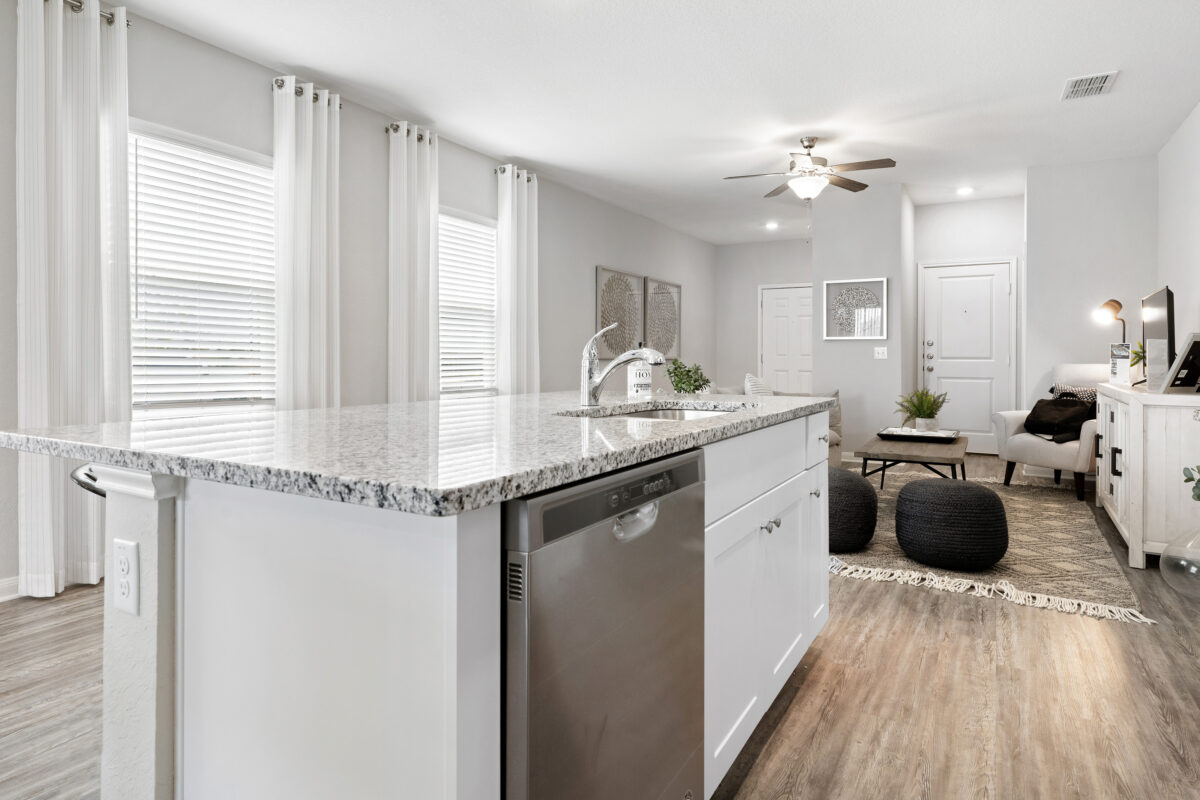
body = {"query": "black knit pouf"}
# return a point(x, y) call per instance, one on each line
point(951, 524)
point(853, 507)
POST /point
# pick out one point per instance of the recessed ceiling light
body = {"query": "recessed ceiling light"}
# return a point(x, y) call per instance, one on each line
point(963, 191)
point(772, 225)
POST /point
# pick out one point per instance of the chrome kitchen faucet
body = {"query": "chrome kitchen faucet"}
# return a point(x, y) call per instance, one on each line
point(590, 382)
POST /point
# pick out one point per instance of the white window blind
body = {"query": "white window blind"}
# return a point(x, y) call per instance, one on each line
point(202, 253)
point(467, 305)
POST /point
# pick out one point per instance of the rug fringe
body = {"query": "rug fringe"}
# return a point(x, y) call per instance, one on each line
point(1001, 589)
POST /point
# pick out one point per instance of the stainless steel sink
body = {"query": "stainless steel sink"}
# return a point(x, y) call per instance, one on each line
point(673, 413)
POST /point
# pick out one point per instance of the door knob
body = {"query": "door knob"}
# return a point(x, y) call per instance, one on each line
point(824, 438)
point(930, 356)
point(929, 368)
point(929, 342)
point(777, 522)
point(815, 492)
point(768, 526)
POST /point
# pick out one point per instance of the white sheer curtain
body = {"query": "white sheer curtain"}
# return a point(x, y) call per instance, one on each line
point(307, 139)
point(73, 356)
point(413, 355)
point(517, 275)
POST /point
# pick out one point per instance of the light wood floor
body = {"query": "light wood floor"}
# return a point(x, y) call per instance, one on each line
point(909, 693)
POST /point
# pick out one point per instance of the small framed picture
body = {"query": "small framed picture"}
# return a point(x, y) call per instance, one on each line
point(856, 309)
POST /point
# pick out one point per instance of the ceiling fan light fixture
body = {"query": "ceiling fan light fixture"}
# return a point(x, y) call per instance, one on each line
point(806, 187)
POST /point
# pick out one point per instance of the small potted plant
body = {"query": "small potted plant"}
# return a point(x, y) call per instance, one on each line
point(923, 406)
point(685, 379)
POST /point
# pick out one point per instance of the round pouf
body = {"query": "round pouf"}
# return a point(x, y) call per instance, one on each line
point(853, 507)
point(951, 524)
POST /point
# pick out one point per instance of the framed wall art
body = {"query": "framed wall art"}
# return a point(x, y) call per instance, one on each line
point(620, 298)
point(664, 316)
point(856, 309)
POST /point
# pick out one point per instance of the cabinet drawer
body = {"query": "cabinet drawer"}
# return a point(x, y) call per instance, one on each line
point(740, 469)
point(818, 439)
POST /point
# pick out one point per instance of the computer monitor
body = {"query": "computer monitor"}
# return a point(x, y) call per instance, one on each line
point(1158, 333)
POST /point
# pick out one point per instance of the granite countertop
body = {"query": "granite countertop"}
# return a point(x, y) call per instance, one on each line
point(435, 458)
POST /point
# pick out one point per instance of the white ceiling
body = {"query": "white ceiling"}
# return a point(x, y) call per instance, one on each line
point(648, 103)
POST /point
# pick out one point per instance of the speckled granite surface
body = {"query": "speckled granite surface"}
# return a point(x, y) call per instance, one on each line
point(434, 458)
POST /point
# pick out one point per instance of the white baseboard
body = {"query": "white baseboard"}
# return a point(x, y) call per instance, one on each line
point(8, 588)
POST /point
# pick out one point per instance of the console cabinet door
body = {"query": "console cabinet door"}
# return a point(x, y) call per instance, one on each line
point(814, 551)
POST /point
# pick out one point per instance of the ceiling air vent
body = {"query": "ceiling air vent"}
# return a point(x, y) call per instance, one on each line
point(1089, 85)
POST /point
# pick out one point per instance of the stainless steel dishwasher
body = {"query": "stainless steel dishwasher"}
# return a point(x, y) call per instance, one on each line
point(604, 675)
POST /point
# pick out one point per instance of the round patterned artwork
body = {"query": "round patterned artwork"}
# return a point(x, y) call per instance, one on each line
point(620, 302)
point(662, 317)
point(845, 304)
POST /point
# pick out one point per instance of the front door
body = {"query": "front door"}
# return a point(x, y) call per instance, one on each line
point(966, 345)
point(786, 338)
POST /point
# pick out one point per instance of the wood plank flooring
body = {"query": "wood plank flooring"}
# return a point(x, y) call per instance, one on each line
point(50, 658)
point(913, 693)
point(909, 693)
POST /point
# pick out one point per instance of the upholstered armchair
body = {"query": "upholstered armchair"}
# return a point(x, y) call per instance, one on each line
point(1018, 446)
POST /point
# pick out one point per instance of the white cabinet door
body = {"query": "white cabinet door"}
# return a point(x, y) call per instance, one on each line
point(818, 439)
point(814, 550)
point(784, 583)
point(732, 623)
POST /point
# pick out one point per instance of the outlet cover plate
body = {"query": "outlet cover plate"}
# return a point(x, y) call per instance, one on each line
point(126, 580)
point(881, 353)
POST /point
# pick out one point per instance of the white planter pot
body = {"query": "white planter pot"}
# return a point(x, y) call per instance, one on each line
point(927, 425)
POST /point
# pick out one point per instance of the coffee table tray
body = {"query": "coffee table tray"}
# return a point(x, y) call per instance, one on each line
point(914, 435)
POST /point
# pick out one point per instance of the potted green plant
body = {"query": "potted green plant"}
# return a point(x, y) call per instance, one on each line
point(685, 379)
point(923, 406)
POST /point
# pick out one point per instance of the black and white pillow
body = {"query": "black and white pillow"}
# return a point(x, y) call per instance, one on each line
point(1085, 393)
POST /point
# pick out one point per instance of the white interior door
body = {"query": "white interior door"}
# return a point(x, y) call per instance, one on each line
point(785, 338)
point(966, 347)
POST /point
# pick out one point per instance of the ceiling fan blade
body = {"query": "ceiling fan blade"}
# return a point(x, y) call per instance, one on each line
point(878, 163)
point(846, 183)
point(778, 190)
point(756, 175)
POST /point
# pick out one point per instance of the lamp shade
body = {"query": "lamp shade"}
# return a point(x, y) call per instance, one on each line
point(806, 187)
point(1108, 313)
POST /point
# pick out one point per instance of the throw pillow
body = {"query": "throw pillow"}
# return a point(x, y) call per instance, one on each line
point(1085, 393)
point(756, 385)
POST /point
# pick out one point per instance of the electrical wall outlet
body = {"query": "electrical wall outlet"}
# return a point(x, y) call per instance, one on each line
point(881, 352)
point(127, 583)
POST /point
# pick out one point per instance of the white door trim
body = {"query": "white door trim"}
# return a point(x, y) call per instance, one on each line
point(761, 287)
point(1016, 335)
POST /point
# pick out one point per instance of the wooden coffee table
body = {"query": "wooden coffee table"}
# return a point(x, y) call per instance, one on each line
point(929, 455)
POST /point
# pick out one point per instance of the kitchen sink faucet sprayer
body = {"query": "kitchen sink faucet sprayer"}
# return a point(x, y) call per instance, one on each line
point(591, 378)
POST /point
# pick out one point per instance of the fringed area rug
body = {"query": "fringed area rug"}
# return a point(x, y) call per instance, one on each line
point(1057, 558)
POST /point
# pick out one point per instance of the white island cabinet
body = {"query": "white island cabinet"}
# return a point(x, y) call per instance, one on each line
point(766, 581)
point(320, 602)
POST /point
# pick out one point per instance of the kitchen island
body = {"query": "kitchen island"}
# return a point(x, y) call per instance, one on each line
point(318, 593)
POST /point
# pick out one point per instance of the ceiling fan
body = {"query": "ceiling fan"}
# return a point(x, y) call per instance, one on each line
point(807, 174)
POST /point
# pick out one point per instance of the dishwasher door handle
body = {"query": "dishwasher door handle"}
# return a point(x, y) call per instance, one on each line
point(635, 524)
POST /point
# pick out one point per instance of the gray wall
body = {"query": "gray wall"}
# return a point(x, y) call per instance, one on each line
point(575, 233)
point(859, 235)
point(741, 269)
point(972, 230)
point(1091, 234)
point(185, 84)
point(1179, 223)
point(8, 291)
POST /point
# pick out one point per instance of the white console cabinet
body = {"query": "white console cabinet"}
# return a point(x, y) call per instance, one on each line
point(1145, 441)
point(766, 575)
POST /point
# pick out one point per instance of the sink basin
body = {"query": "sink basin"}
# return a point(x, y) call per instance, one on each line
point(673, 413)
